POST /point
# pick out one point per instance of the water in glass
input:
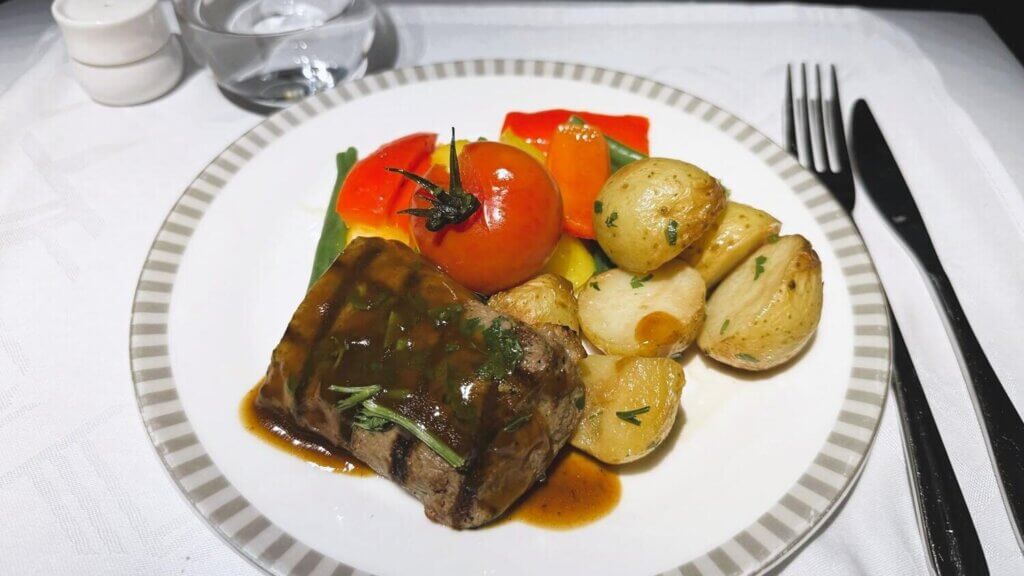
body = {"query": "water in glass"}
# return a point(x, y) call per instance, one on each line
point(275, 52)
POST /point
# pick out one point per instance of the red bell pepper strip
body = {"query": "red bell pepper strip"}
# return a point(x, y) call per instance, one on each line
point(538, 127)
point(373, 196)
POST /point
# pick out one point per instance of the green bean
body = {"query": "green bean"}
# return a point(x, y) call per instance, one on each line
point(334, 232)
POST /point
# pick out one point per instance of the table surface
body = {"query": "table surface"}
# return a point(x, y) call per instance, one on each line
point(81, 491)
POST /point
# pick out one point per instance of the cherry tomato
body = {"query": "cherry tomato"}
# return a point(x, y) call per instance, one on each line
point(509, 238)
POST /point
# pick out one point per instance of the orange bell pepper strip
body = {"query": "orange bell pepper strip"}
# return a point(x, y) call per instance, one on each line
point(372, 196)
point(537, 127)
point(578, 162)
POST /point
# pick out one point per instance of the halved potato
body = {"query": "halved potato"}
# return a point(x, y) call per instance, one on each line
point(767, 309)
point(630, 406)
point(652, 209)
point(547, 299)
point(654, 314)
point(738, 231)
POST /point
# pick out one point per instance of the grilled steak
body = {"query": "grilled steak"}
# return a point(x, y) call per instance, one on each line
point(393, 361)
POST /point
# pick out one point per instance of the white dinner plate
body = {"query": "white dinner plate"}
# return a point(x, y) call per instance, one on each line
point(760, 463)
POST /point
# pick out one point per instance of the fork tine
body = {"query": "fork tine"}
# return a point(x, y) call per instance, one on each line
point(806, 117)
point(835, 108)
point(789, 126)
point(817, 108)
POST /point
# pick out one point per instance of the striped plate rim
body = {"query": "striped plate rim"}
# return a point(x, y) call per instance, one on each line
point(776, 534)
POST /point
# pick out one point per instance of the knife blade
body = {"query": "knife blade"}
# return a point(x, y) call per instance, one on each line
point(1000, 421)
point(950, 538)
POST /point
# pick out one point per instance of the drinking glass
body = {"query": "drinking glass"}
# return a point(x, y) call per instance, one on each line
point(276, 52)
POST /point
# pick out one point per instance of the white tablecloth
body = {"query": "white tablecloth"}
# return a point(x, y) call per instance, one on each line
point(81, 490)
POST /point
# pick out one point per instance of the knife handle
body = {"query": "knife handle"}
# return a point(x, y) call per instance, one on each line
point(950, 537)
point(1004, 430)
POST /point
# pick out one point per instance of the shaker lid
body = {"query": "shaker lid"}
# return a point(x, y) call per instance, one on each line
point(111, 32)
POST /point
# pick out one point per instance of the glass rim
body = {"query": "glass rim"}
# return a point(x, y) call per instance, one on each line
point(190, 18)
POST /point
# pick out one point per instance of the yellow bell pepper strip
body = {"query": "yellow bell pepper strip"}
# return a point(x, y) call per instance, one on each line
point(509, 137)
point(571, 260)
point(442, 154)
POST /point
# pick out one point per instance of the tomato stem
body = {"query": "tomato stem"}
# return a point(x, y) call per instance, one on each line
point(451, 206)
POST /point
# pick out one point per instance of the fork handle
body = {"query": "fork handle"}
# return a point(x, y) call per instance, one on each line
point(951, 540)
point(1004, 430)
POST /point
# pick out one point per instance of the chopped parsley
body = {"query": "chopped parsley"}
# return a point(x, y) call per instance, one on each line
point(451, 347)
point(631, 415)
point(672, 232)
point(469, 326)
point(292, 383)
point(747, 357)
point(610, 220)
point(393, 328)
point(357, 395)
point(595, 286)
point(340, 347)
point(516, 423)
point(725, 326)
point(367, 421)
point(580, 401)
point(598, 206)
point(503, 350)
point(759, 266)
point(772, 239)
point(445, 315)
point(398, 394)
point(638, 282)
point(360, 301)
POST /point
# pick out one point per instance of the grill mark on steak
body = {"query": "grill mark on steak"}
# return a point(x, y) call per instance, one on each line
point(400, 451)
point(468, 490)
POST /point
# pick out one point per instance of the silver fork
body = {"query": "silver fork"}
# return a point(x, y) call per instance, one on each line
point(950, 539)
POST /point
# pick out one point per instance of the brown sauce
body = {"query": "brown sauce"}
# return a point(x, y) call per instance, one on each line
point(578, 491)
point(299, 443)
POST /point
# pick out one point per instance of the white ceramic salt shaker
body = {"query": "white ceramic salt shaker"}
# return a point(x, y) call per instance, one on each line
point(122, 51)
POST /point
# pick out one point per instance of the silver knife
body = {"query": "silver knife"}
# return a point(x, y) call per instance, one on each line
point(1000, 421)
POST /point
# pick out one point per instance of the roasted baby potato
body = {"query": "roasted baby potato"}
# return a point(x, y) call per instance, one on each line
point(738, 231)
point(630, 406)
point(651, 210)
point(654, 314)
point(767, 308)
point(545, 299)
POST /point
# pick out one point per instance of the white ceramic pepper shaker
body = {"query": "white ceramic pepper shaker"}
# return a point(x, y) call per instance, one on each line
point(122, 51)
